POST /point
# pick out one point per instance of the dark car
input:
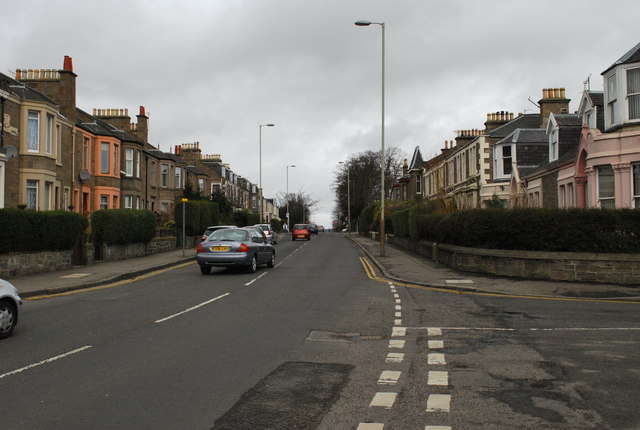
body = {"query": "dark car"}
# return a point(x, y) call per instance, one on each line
point(300, 231)
point(233, 247)
point(313, 228)
point(211, 229)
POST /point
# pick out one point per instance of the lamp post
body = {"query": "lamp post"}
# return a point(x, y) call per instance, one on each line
point(260, 194)
point(382, 163)
point(348, 197)
point(288, 226)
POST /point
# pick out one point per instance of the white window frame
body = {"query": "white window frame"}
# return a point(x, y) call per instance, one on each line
point(105, 152)
point(128, 162)
point(553, 144)
point(86, 151)
point(201, 185)
point(178, 177)
point(138, 158)
point(116, 151)
point(632, 96)
point(33, 131)
point(164, 174)
point(499, 160)
point(104, 201)
point(31, 194)
point(128, 201)
point(611, 88)
point(48, 134)
point(607, 201)
point(635, 185)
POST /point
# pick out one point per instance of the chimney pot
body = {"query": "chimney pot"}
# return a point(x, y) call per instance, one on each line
point(68, 64)
point(142, 111)
point(562, 93)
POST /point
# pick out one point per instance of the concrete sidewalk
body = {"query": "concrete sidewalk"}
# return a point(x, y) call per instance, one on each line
point(100, 273)
point(402, 266)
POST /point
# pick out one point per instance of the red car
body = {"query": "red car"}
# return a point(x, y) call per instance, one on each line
point(300, 231)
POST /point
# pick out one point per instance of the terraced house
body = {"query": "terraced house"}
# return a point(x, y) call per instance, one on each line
point(54, 155)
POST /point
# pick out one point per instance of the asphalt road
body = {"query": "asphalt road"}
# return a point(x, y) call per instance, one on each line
point(305, 345)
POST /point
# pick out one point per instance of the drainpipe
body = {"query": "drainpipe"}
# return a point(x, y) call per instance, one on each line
point(2, 99)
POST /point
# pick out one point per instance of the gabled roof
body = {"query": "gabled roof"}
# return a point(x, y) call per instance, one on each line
point(530, 120)
point(23, 91)
point(416, 159)
point(632, 56)
point(567, 120)
point(197, 170)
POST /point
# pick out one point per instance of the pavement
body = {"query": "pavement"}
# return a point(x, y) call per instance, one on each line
point(397, 265)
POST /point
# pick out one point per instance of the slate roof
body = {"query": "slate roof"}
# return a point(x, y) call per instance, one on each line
point(532, 148)
point(632, 56)
point(197, 170)
point(22, 91)
point(416, 160)
point(529, 121)
point(165, 156)
point(597, 100)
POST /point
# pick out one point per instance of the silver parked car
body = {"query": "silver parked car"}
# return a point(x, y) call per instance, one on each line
point(211, 229)
point(272, 237)
point(10, 303)
point(232, 247)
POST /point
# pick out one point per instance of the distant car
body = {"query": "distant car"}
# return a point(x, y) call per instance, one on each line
point(321, 228)
point(271, 234)
point(313, 228)
point(10, 303)
point(300, 231)
point(231, 247)
point(211, 229)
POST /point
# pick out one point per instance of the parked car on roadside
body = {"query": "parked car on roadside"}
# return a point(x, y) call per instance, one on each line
point(235, 247)
point(313, 228)
point(10, 303)
point(300, 231)
point(211, 229)
point(269, 232)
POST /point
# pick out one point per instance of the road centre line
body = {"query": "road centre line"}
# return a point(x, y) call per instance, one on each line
point(48, 360)
point(191, 308)
point(255, 279)
point(528, 329)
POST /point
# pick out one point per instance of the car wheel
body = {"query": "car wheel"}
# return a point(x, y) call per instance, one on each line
point(7, 318)
point(205, 270)
point(272, 260)
point(254, 265)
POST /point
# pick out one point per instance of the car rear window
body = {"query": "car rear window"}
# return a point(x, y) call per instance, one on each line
point(229, 234)
point(300, 226)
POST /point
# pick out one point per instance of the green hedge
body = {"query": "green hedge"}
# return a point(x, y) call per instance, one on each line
point(244, 217)
point(30, 231)
point(199, 214)
point(122, 226)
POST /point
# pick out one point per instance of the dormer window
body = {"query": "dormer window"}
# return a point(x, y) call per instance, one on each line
point(612, 99)
point(553, 145)
point(633, 93)
point(502, 161)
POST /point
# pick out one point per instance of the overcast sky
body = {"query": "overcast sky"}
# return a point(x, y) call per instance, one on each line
point(212, 71)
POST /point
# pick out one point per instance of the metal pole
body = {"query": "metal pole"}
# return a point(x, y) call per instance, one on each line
point(382, 163)
point(348, 200)
point(184, 205)
point(260, 186)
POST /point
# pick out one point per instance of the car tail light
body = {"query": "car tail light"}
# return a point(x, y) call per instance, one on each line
point(243, 248)
point(200, 248)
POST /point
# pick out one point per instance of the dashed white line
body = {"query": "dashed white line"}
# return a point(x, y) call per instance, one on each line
point(396, 296)
point(398, 301)
point(436, 359)
point(370, 426)
point(397, 322)
point(191, 308)
point(439, 403)
point(48, 360)
point(437, 428)
point(389, 377)
point(395, 357)
point(255, 279)
point(397, 344)
point(398, 314)
point(438, 378)
point(434, 331)
point(399, 332)
point(436, 344)
point(384, 400)
point(398, 307)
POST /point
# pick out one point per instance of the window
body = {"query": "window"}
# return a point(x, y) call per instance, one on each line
point(164, 207)
point(138, 163)
point(201, 185)
point(85, 153)
point(104, 157)
point(128, 162)
point(563, 196)
point(32, 194)
point(178, 183)
point(553, 145)
point(633, 93)
point(165, 171)
point(128, 202)
point(48, 186)
point(636, 185)
point(33, 131)
point(503, 160)
point(570, 195)
point(48, 135)
point(153, 173)
point(137, 202)
point(418, 184)
point(606, 187)
point(612, 99)
point(116, 150)
point(104, 201)
point(58, 144)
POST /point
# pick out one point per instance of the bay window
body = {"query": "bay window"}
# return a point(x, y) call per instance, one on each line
point(33, 131)
point(633, 93)
point(606, 187)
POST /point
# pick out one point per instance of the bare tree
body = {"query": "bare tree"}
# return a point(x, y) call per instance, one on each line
point(364, 186)
point(301, 207)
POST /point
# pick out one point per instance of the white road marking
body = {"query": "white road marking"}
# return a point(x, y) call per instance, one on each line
point(74, 275)
point(397, 322)
point(429, 329)
point(370, 426)
point(436, 344)
point(459, 281)
point(398, 301)
point(395, 357)
point(439, 403)
point(399, 332)
point(397, 344)
point(396, 296)
point(437, 428)
point(255, 279)
point(398, 314)
point(434, 331)
point(436, 359)
point(48, 360)
point(398, 307)
point(389, 377)
point(384, 400)
point(191, 308)
point(438, 378)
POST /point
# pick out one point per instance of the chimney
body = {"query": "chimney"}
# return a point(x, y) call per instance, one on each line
point(142, 129)
point(553, 101)
point(405, 167)
point(495, 120)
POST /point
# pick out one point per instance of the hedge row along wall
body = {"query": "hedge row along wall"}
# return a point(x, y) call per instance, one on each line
point(199, 214)
point(122, 226)
point(26, 230)
point(529, 229)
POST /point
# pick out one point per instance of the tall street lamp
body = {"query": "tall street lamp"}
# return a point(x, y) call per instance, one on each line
point(288, 226)
point(382, 164)
point(348, 197)
point(260, 196)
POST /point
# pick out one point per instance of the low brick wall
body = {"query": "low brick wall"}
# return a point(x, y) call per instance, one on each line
point(33, 262)
point(556, 266)
point(132, 250)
